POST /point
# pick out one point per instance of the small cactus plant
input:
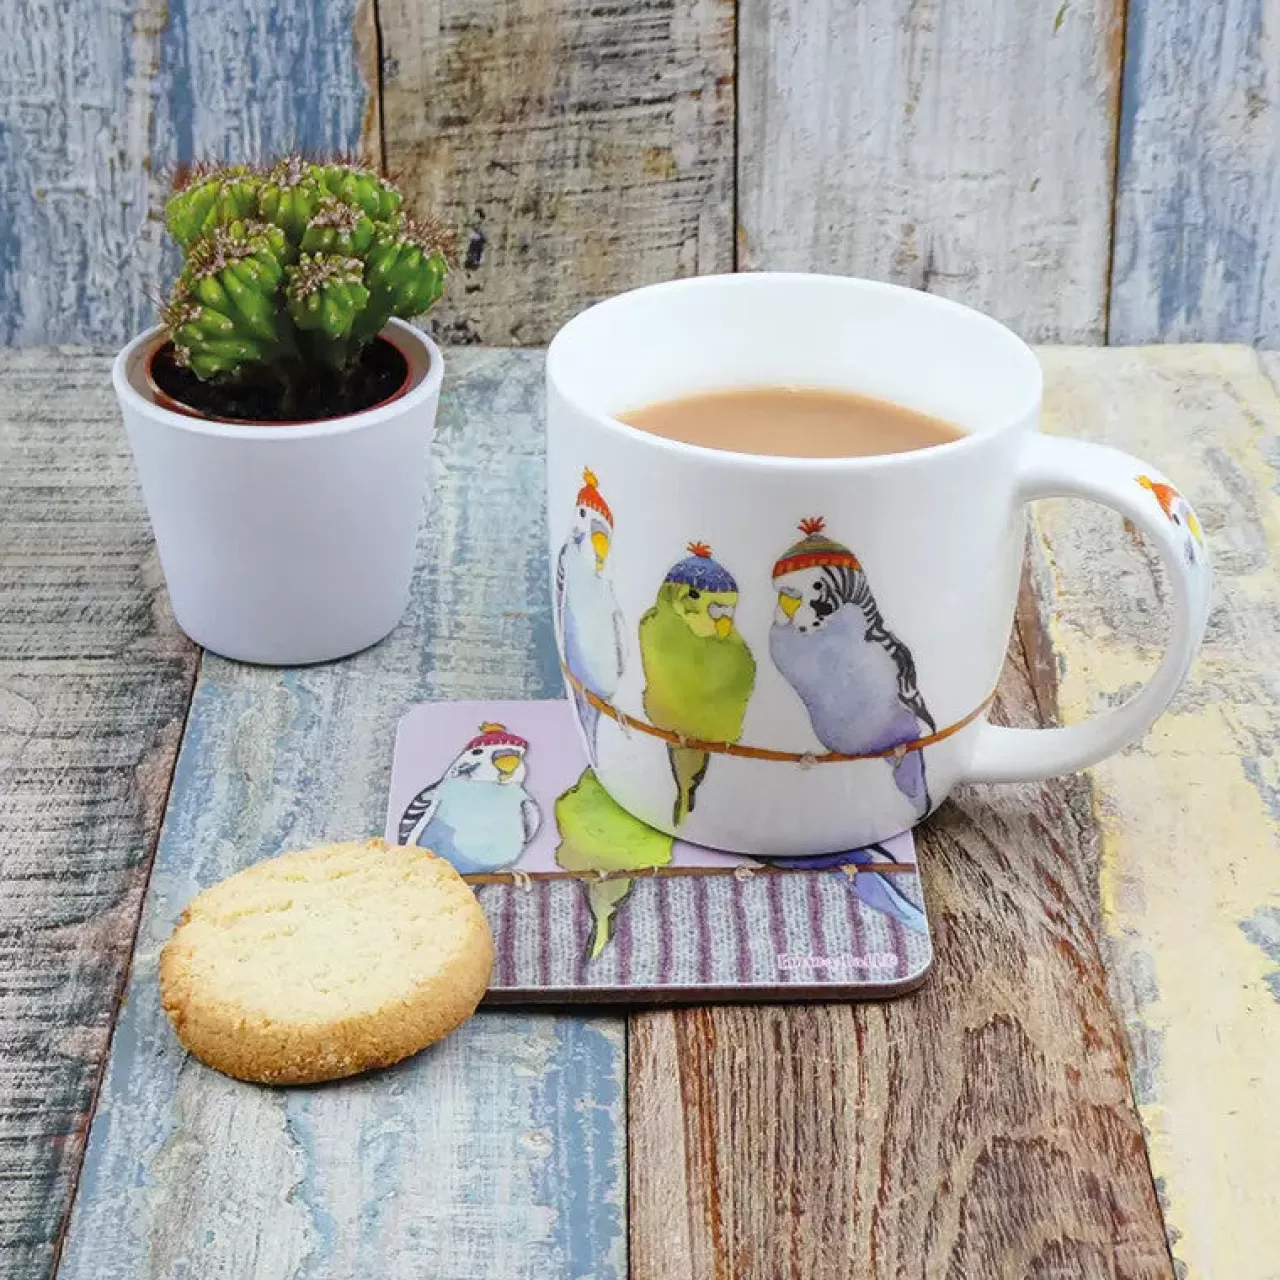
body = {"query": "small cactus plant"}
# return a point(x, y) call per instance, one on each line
point(290, 272)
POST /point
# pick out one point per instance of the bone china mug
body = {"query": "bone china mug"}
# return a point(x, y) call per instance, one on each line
point(789, 656)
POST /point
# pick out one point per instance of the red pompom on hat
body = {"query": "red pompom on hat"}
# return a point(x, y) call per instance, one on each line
point(814, 549)
point(589, 496)
point(496, 735)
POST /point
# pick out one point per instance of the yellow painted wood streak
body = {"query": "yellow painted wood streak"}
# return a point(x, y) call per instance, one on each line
point(1190, 818)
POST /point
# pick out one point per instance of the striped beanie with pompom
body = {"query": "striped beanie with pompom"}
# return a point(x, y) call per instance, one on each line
point(589, 496)
point(814, 549)
point(496, 735)
point(700, 571)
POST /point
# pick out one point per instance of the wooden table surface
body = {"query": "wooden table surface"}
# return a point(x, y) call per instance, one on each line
point(1084, 1087)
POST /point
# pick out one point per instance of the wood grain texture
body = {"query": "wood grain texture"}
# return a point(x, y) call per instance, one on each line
point(583, 148)
point(497, 1153)
point(981, 1127)
point(94, 684)
point(967, 149)
point(98, 102)
point(1197, 244)
point(1189, 819)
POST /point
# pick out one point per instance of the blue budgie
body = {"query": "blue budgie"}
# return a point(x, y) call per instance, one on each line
point(478, 815)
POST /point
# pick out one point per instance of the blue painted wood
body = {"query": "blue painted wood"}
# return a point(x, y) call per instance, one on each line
point(98, 102)
point(500, 1152)
point(1197, 230)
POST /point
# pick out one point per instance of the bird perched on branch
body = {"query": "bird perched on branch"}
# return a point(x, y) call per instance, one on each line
point(698, 671)
point(588, 619)
point(856, 679)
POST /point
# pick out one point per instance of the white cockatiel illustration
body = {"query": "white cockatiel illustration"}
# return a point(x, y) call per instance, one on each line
point(588, 621)
point(478, 815)
point(856, 679)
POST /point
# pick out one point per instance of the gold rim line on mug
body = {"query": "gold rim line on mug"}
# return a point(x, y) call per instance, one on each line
point(767, 753)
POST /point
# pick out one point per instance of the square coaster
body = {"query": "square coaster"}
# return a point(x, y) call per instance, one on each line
point(587, 903)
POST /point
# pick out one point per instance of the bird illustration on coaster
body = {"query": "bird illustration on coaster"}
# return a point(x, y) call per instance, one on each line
point(598, 836)
point(478, 815)
point(699, 673)
point(856, 679)
point(588, 619)
point(875, 889)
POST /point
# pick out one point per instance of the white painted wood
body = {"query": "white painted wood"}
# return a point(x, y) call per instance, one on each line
point(1197, 240)
point(966, 148)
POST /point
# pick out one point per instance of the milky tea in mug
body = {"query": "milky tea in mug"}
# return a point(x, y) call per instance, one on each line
point(792, 422)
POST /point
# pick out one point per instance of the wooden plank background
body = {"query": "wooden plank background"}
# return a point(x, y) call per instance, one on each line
point(1086, 170)
point(1198, 207)
point(98, 103)
point(964, 148)
point(582, 148)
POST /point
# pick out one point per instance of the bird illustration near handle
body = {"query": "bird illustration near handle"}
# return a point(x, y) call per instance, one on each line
point(856, 679)
point(588, 621)
point(1179, 513)
point(699, 673)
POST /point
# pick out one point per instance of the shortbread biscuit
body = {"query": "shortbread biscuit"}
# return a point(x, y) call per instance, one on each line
point(320, 964)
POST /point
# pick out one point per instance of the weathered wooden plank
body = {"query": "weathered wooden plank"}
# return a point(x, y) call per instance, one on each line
point(1189, 820)
point(498, 1153)
point(981, 1127)
point(94, 684)
point(1270, 362)
point(97, 102)
point(1197, 239)
point(964, 148)
point(583, 148)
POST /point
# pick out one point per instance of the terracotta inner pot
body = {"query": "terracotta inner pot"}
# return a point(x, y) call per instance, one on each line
point(159, 367)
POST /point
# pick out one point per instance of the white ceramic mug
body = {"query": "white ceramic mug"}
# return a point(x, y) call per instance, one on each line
point(796, 656)
point(285, 544)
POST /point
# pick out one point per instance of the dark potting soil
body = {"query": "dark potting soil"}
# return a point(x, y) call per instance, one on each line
point(377, 374)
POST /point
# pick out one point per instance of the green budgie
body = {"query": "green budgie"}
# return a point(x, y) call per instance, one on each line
point(596, 834)
point(698, 671)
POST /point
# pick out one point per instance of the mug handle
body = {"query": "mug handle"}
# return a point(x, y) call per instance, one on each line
point(1054, 468)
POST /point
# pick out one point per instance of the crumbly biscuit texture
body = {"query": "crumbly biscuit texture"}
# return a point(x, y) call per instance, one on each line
point(323, 963)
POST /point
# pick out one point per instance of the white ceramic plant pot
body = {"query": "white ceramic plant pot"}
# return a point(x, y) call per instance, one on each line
point(285, 544)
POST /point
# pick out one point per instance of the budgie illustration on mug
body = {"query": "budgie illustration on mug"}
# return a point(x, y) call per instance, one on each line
point(588, 619)
point(478, 815)
point(856, 679)
point(1180, 513)
point(699, 673)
